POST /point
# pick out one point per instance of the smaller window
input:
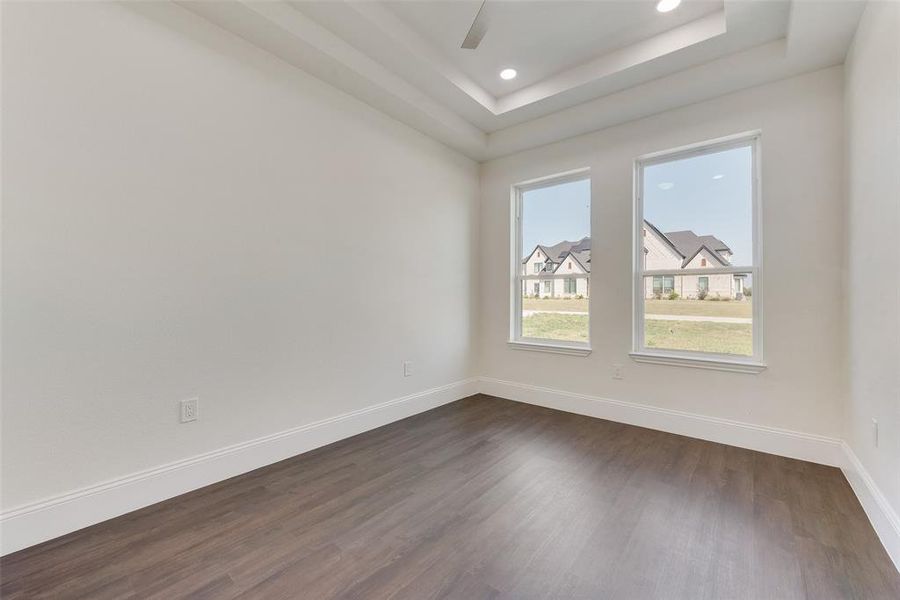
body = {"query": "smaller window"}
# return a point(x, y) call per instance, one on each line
point(702, 262)
point(550, 213)
point(663, 284)
point(570, 266)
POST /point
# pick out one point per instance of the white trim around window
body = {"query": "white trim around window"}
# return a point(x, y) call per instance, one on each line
point(516, 340)
point(684, 358)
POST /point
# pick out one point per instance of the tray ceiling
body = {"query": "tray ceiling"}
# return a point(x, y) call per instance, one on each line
point(582, 65)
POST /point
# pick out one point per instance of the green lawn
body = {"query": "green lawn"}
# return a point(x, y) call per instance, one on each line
point(697, 308)
point(556, 304)
point(549, 326)
point(724, 338)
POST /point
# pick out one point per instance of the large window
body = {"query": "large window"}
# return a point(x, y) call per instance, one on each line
point(552, 222)
point(697, 256)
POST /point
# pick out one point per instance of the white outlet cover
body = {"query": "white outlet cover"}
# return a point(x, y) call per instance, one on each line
point(190, 410)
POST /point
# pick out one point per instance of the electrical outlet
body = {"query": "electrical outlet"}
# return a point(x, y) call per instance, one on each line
point(617, 372)
point(407, 368)
point(875, 431)
point(190, 410)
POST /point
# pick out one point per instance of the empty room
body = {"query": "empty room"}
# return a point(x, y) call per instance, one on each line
point(470, 299)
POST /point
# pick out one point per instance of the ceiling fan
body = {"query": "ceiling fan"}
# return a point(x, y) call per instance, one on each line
point(477, 30)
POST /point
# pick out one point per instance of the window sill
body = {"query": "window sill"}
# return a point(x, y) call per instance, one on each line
point(715, 364)
point(560, 348)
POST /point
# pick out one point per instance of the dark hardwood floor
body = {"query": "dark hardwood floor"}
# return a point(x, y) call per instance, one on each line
point(486, 498)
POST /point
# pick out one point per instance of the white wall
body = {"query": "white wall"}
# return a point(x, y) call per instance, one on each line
point(801, 123)
point(872, 251)
point(185, 215)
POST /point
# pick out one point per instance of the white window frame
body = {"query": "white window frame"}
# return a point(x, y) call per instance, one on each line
point(516, 341)
point(690, 358)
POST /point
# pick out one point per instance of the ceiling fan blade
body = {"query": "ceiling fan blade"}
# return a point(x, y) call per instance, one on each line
point(477, 30)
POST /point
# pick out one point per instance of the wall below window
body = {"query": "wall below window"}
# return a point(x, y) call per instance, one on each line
point(801, 160)
point(185, 215)
point(873, 256)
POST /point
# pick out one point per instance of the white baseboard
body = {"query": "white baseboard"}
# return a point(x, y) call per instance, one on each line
point(881, 514)
point(40, 521)
point(783, 442)
point(50, 518)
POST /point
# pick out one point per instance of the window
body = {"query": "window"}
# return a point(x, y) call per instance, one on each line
point(698, 208)
point(662, 285)
point(554, 214)
point(538, 266)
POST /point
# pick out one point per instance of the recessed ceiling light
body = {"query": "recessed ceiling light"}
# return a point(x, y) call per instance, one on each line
point(667, 5)
point(508, 74)
point(719, 176)
point(665, 185)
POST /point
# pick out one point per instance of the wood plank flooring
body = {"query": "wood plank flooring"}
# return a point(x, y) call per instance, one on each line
point(486, 498)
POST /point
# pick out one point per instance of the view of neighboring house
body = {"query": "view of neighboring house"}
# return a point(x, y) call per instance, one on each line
point(670, 251)
point(687, 250)
point(572, 259)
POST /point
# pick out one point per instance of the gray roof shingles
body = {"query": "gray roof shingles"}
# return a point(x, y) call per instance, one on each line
point(581, 250)
point(688, 242)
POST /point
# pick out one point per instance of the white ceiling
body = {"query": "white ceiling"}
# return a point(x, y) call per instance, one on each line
point(583, 65)
point(540, 38)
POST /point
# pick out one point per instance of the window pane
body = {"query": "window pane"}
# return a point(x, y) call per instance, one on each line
point(721, 321)
point(556, 224)
point(698, 215)
point(699, 209)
